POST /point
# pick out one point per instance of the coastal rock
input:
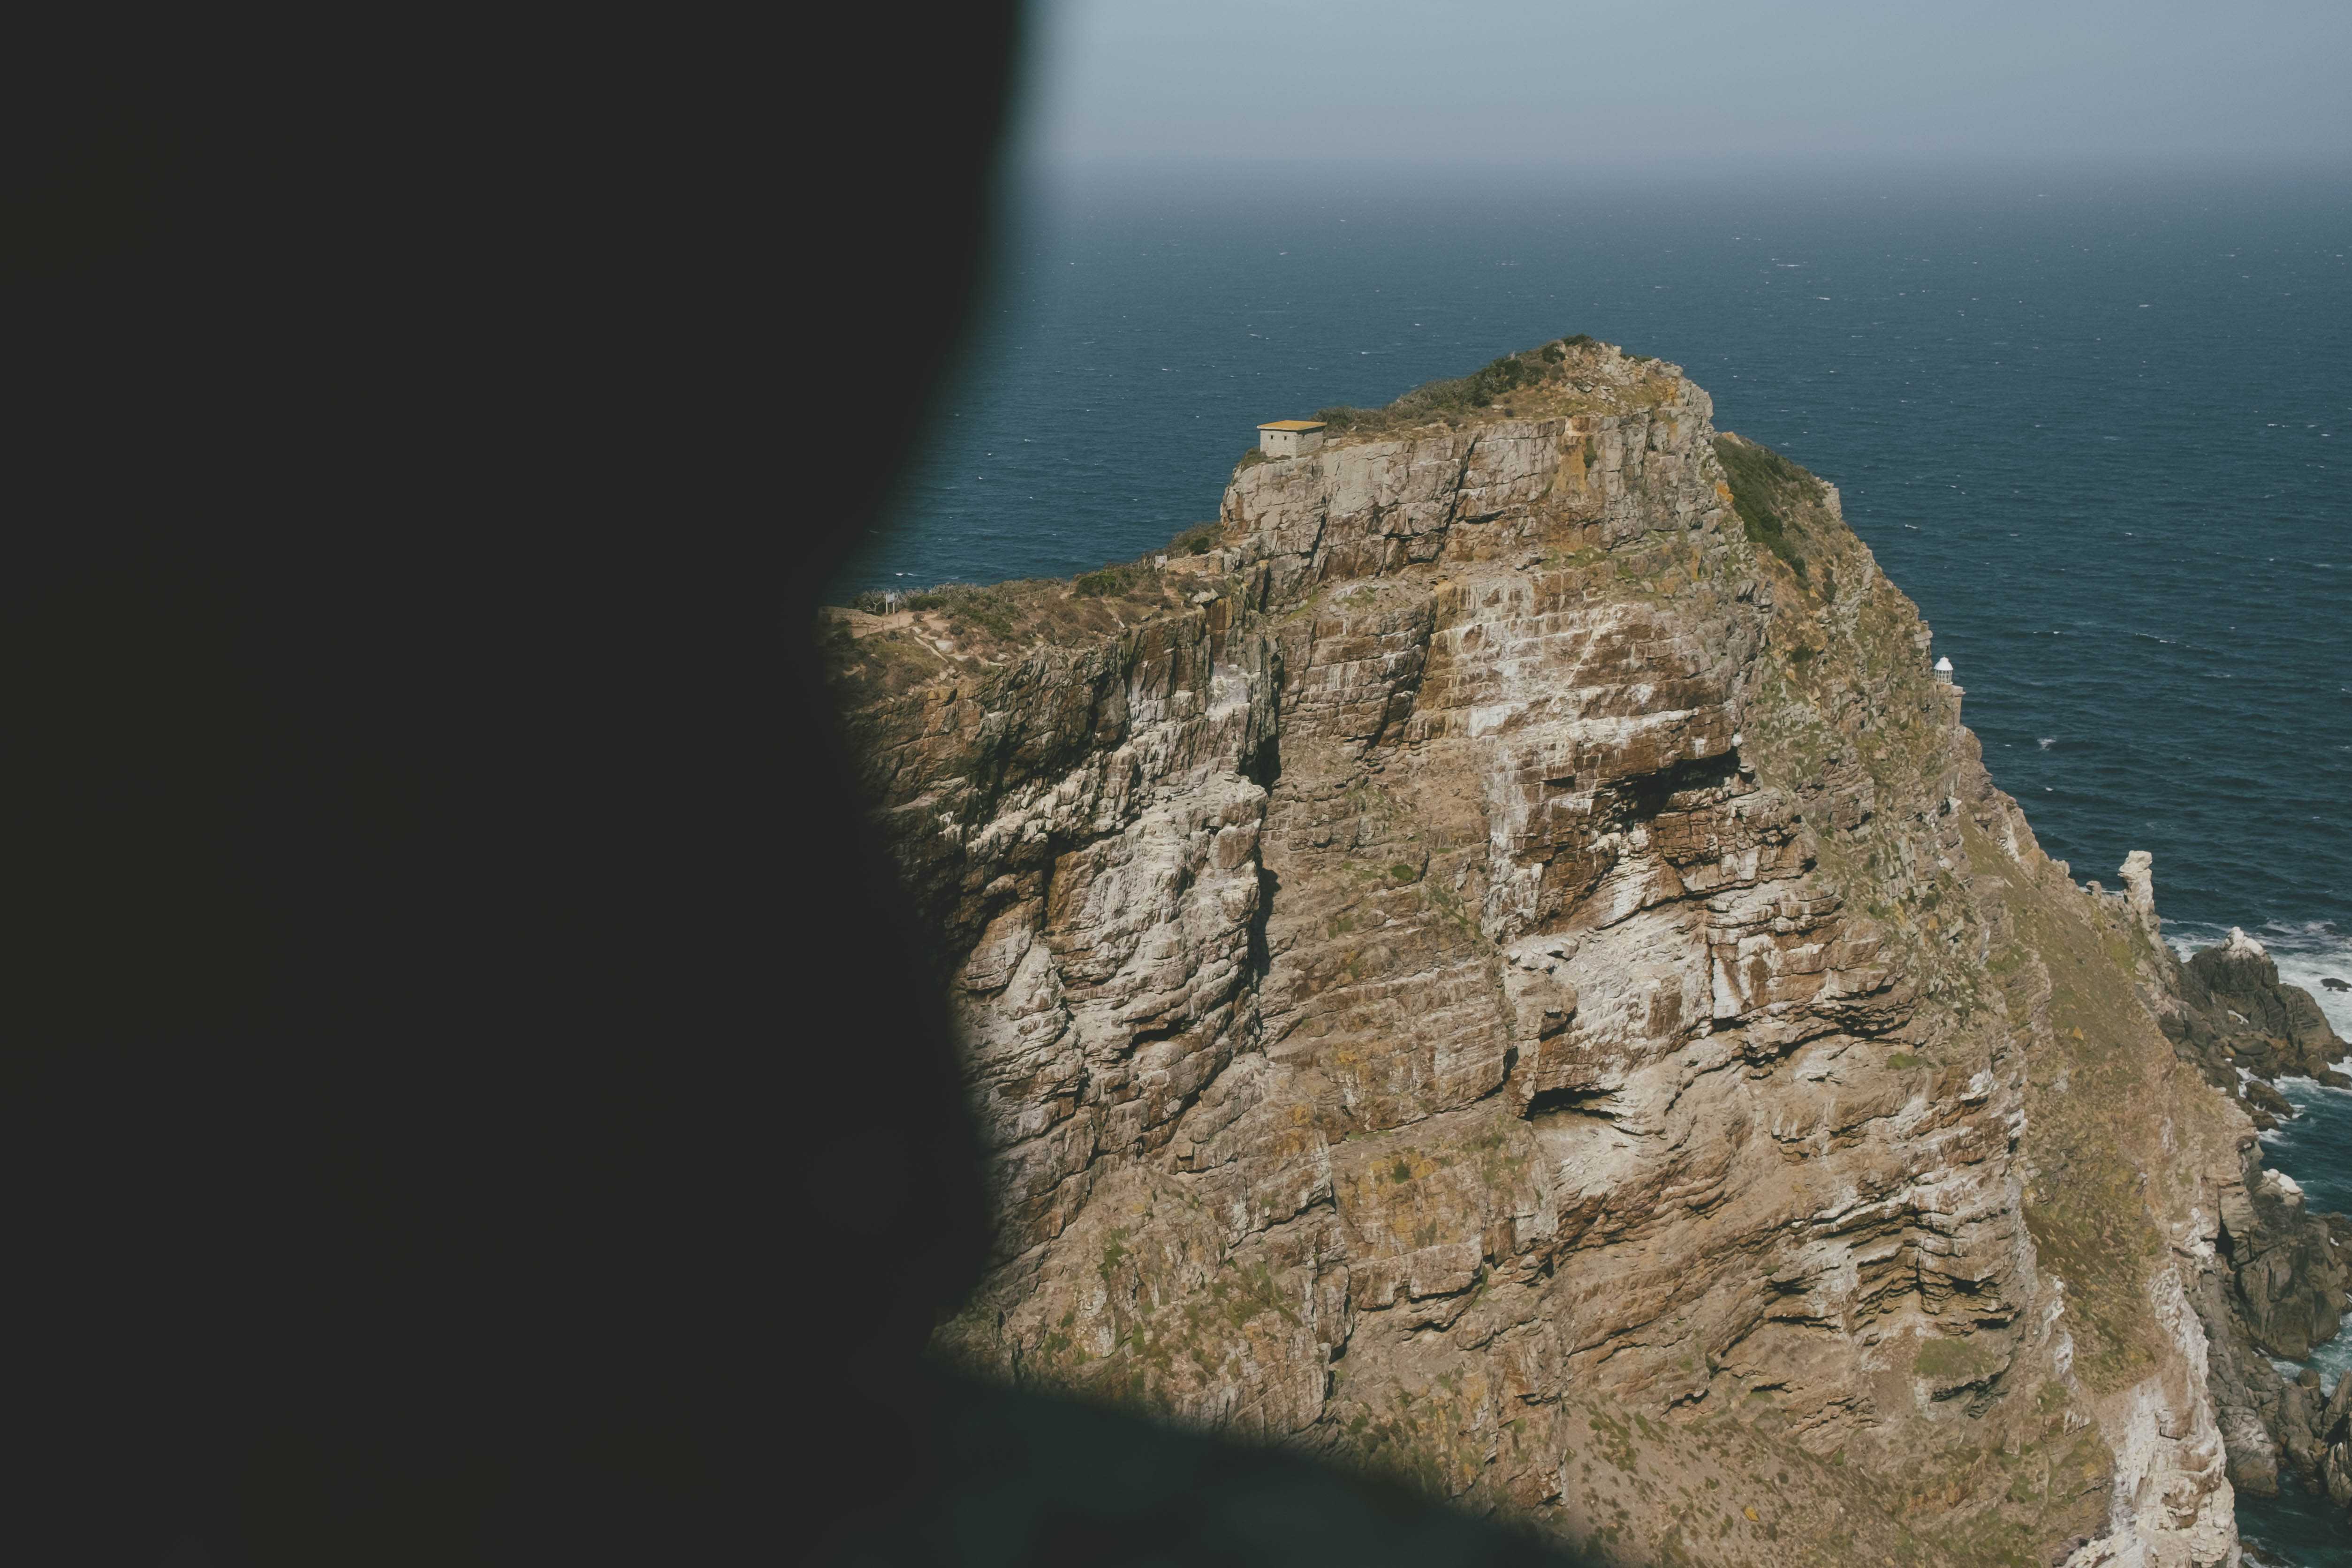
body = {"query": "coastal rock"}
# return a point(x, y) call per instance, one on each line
point(2330, 1471)
point(2290, 1284)
point(2298, 1425)
point(2139, 875)
point(1503, 965)
point(2236, 1015)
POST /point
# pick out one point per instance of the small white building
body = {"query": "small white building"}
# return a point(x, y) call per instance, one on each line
point(1291, 437)
point(1944, 671)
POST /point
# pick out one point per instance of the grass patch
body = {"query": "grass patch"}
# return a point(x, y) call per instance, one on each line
point(991, 610)
point(1950, 1360)
point(1110, 582)
point(2086, 1204)
point(999, 622)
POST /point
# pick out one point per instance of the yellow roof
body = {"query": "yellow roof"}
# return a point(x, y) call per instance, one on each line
point(1291, 424)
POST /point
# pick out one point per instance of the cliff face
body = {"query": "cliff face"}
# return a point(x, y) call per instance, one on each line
point(1505, 966)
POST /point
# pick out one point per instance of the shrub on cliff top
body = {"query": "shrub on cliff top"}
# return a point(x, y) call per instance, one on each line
point(1110, 581)
point(1448, 399)
point(1452, 401)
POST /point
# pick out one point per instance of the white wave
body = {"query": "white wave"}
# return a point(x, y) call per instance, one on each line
point(2186, 939)
point(2332, 1359)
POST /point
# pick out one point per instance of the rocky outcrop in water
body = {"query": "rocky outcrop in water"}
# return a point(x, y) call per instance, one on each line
point(1499, 962)
point(2237, 1017)
point(2276, 1288)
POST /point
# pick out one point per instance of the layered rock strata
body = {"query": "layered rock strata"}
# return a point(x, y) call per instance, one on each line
point(1503, 965)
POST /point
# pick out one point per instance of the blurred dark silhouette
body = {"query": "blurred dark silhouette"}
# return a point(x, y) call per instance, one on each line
point(462, 1102)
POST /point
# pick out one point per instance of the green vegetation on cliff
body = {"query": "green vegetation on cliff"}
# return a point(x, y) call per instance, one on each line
point(1766, 491)
point(1546, 379)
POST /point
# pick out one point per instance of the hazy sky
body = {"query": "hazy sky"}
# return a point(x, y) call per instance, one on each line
point(1705, 80)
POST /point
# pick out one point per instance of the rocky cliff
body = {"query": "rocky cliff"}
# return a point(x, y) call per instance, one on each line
point(1497, 961)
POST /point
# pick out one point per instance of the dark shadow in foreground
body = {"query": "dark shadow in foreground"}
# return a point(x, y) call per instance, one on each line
point(461, 1099)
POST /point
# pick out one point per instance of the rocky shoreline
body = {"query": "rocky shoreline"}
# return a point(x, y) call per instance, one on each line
point(2286, 1270)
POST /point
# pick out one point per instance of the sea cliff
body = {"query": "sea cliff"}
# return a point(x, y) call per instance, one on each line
point(1497, 960)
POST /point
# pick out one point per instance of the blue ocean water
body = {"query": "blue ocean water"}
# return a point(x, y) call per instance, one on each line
point(2097, 425)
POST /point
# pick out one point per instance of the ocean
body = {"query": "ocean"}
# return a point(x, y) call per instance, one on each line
point(2098, 426)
